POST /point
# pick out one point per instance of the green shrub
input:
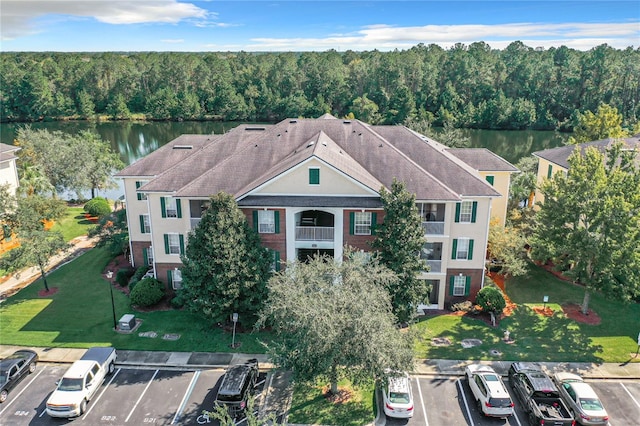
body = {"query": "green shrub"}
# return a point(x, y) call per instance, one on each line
point(147, 292)
point(178, 301)
point(137, 276)
point(97, 207)
point(491, 299)
point(123, 275)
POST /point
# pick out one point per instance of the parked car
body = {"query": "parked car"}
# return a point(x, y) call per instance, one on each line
point(489, 391)
point(397, 396)
point(14, 368)
point(237, 387)
point(581, 399)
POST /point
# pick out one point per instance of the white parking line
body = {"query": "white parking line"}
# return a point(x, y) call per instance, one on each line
point(464, 398)
point(14, 397)
point(631, 396)
point(141, 395)
point(424, 410)
point(95, 401)
point(187, 394)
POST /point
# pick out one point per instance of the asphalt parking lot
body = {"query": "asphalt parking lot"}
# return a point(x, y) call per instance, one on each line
point(449, 401)
point(131, 396)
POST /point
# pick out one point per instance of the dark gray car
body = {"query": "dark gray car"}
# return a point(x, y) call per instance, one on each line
point(14, 368)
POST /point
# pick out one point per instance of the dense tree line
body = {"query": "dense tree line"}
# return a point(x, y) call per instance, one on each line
point(467, 85)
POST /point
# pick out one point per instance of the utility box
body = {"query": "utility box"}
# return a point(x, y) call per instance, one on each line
point(127, 322)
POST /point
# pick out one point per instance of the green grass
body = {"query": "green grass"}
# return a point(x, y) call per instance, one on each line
point(73, 224)
point(79, 315)
point(309, 405)
point(538, 338)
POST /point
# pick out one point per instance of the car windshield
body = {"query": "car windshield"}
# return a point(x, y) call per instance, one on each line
point(67, 384)
point(500, 402)
point(399, 397)
point(590, 404)
point(3, 377)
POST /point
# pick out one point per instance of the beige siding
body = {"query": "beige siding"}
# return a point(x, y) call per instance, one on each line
point(501, 183)
point(162, 226)
point(9, 175)
point(543, 173)
point(296, 182)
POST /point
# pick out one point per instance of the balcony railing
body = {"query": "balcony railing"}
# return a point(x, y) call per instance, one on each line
point(314, 233)
point(433, 228)
point(195, 221)
point(435, 265)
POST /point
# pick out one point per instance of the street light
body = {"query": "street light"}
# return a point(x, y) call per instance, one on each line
point(234, 318)
point(113, 305)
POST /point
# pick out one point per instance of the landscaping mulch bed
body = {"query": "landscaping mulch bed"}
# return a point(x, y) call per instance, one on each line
point(343, 395)
point(45, 293)
point(574, 312)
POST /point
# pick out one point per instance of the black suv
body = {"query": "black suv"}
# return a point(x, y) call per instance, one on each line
point(237, 386)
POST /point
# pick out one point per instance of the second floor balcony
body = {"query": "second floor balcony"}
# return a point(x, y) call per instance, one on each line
point(314, 233)
point(433, 228)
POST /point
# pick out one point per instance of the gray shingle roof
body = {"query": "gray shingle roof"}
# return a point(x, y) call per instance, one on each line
point(483, 160)
point(8, 152)
point(560, 155)
point(249, 155)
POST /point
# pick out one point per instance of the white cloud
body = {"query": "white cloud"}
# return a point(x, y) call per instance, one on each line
point(19, 16)
point(582, 36)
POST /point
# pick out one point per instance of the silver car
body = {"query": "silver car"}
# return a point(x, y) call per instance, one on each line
point(581, 399)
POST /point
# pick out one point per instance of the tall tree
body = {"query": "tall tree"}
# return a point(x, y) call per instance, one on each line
point(606, 122)
point(225, 269)
point(589, 224)
point(398, 240)
point(99, 162)
point(37, 245)
point(334, 320)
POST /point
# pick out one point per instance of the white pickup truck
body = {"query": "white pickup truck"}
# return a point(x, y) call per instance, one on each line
point(81, 382)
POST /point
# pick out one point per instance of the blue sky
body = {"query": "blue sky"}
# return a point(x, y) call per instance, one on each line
point(301, 25)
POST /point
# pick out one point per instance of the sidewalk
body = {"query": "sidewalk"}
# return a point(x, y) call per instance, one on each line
point(24, 277)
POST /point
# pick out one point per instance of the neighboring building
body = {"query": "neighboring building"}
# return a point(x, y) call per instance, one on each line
point(554, 160)
point(311, 185)
point(8, 175)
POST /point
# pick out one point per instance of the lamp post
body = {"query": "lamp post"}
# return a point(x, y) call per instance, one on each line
point(113, 305)
point(234, 318)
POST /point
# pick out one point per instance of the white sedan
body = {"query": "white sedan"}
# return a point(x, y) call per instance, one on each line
point(581, 399)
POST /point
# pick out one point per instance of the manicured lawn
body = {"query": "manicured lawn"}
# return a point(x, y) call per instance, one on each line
point(309, 406)
point(79, 314)
point(73, 224)
point(536, 337)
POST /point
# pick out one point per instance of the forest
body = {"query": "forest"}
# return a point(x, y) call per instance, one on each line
point(470, 86)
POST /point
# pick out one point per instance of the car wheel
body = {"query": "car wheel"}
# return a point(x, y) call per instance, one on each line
point(111, 368)
point(32, 367)
point(479, 405)
point(83, 406)
point(3, 395)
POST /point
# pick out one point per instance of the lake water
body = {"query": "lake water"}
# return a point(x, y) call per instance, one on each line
point(134, 140)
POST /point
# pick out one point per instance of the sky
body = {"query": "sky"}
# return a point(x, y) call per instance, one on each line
point(302, 25)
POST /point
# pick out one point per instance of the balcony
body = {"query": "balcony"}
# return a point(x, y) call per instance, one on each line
point(435, 265)
point(194, 221)
point(433, 228)
point(314, 233)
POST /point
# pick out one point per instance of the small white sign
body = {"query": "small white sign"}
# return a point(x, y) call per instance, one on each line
point(545, 299)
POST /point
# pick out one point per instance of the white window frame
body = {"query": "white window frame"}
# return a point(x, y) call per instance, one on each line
point(362, 223)
point(266, 221)
point(466, 211)
point(176, 277)
point(462, 249)
point(174, 244)
point(459, 285)
point(150, 255)
point(142, 196)
point(147, 224)
point(171, 207)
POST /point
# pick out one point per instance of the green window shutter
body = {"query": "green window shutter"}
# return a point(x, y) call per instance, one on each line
point(374, 222)
point(170, 278)
point(490, 179)
point(146, 256)
point(467, 286)
point(474, 212)
point(454, 251)
point(470, 253)
point(314, 176)
point(138, 185)
point(181, 244)
point(166, 243)
point(457, 212)
point(549, 171)
point(276, 255)
point(163, 206)
point(452, 280)
point(142, 223)
point(179, 208)
point(276, 218)
point(352, 223)
point(255, 220)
